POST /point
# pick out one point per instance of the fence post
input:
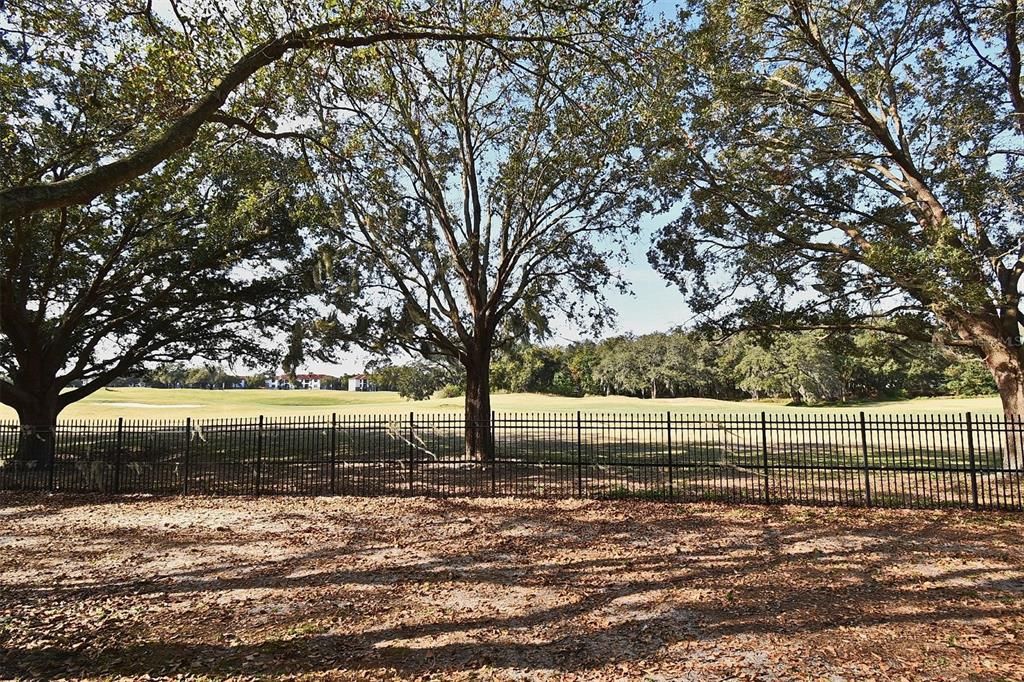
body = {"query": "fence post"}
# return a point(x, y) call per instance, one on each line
point(764, 457)
point(668, 430)
point(188, 452)
point(259, 456)
point(494, 457)
point(117, 454)
point(334, 448)
point(864, 450)
point(579, 454)
point(51, 456)
point(412, 450)
point(974, 471)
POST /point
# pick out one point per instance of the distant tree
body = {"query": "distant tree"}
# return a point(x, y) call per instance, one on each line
point(451, 390)
point(480, 191)
point(333, 383)
point(798, 366)
point(527, 368)
point(613, 370)
point(648, 356)
point(852, 165)
point(502, 370)
point(889, 366)
point(209, 375)
point(875, 365)
point(661, 364)
point(969, 377)
point(815, 368)
point(167, 375)
point(414, 381)
point(258, 380)
point(692, 365)
point(804, 367)
point(757, 370)
point(581, 358)
point(130, 379)
point(199, 377)
point(815, 371)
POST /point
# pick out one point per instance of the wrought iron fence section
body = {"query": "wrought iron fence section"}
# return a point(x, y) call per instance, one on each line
point(912, 461)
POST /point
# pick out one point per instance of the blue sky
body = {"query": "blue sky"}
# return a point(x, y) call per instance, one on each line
point(655, 304)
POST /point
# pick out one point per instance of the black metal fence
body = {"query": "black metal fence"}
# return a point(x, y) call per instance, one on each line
point(842, 459)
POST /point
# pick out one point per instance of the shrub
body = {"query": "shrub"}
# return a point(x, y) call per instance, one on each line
point(451, 391)
point(969, 377)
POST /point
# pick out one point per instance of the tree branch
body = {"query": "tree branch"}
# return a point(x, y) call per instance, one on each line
point(16, 202)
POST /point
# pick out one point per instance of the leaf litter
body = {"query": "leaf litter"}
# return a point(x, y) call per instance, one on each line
point(504, 589)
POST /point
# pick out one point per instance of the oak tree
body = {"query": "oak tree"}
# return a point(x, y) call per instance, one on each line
point(204, 260)
point(851, 165)
point(480, 191)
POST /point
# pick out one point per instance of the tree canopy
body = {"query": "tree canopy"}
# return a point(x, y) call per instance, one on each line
point(810, 367)
point(478, 191)
point(850, 166)
point(98, 94)
point(204, 260)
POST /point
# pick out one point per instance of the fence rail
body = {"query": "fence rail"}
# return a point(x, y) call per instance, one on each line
point(841, 459)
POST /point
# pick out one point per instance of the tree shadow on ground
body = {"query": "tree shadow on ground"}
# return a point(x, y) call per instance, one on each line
point(667, 576)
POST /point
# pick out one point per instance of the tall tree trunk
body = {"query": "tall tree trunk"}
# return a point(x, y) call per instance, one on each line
point(38, 421)
point(479, 444)
point(1008, 372)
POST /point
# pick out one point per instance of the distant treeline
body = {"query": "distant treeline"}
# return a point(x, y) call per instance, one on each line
point(804, 368)
point(209, 376)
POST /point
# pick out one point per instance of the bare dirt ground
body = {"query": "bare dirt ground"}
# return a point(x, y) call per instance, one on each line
point(348, 588)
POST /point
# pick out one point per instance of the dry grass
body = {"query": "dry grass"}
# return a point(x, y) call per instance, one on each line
point(342, 588)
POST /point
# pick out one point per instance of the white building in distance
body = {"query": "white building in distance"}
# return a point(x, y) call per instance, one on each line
point(360, 382)
point(299, 382)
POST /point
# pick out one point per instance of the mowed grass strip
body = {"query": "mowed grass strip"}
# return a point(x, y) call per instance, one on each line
point(177, 404)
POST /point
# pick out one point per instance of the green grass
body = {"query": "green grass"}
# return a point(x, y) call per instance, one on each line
point(153, 403)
